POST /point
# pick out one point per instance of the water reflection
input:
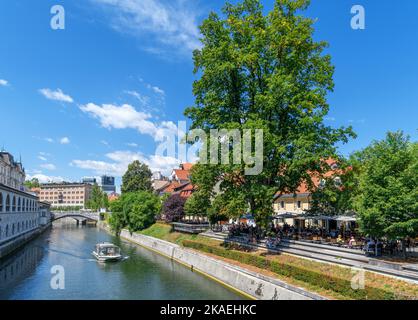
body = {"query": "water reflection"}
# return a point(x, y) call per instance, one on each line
point(144, 275)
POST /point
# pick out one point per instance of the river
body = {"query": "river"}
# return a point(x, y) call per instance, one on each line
point(144, 275)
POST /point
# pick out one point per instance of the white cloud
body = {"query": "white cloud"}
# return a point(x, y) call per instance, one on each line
point(120, 161)
point(45, 154)
point(65, 140)
point(158, 90)
point(104, 142)
point(170, 23)
point(57, 95)
point(4, 83)
point(125, 116)
point(44, 178)
point(141, 98)
point(42, 158)
point(48, 166)
point(50, 140)
point(132, 144)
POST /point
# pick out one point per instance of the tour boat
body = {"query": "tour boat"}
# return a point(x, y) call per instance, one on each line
point(107, 252)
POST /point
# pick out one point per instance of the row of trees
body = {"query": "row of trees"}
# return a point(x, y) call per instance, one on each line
point(380, 183)
point(267, 72)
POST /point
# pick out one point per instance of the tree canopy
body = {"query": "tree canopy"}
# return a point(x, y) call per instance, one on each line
point(334, 195)
point(135, 211)
point(387, 196)
point(137, 178)
point(264, 72)
point(173, 208)
point(33, 183)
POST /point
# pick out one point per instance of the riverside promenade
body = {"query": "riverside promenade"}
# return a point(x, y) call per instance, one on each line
point(329, 254)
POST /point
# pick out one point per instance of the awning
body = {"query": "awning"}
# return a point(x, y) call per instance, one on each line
point(346, 219)
point(303, 217)
point(286, 215)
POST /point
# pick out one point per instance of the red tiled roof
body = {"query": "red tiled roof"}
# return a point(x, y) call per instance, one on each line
point(182, 174)
point(186, 166)
point(316, 179)
point(171, 187)
point(113, 197)
point(185, 190)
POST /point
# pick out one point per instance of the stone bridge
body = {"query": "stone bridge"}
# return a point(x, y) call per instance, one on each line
point(56, 215)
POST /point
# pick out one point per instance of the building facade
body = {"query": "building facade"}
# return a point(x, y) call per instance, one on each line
point(66, 194)
point(19, 213)
point(22, 215)
point(90, 180)
point(12, 173)
point(108, 184)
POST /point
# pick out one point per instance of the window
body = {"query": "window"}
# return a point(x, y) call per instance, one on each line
point(282, 204)
point(7, 203)
point(338, 182)
point(1, 202)
point(299, 204)
point(14, 204)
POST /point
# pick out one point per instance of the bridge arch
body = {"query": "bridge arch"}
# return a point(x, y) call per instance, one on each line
point(80, 215)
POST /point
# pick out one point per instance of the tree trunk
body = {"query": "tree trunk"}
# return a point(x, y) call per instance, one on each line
point(405, 255)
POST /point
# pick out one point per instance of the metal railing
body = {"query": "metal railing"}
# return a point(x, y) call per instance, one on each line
point(189, 227)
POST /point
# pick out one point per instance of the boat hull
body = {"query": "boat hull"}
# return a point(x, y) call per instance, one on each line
point(106, 258)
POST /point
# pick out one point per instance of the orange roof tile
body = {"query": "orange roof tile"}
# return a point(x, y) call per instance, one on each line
point(182, 174)
point(171, 187)
point(186, 166)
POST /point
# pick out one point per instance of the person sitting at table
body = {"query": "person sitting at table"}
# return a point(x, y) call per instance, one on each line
point(351, 242)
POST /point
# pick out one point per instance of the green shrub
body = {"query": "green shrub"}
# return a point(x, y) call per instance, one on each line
point(314, 277)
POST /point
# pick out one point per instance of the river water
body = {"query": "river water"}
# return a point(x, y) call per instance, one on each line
point(26, 274)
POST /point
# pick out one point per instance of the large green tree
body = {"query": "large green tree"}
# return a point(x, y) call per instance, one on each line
point(387, 195)
point(264, 72)
point(135, 211)
point(137, 178)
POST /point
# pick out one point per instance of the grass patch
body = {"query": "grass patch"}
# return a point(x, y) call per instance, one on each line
point(163, 231)
point(331, 278)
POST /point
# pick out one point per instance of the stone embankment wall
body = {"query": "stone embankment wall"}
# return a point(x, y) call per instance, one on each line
point(15, 243)
point(248, 283)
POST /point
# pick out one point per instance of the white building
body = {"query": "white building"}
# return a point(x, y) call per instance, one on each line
point(12, 173)
point(20, 211)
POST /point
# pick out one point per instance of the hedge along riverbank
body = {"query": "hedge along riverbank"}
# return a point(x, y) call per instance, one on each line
point(326, 281)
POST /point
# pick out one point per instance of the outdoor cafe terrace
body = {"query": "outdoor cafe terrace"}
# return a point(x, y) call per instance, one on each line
point(339, 231)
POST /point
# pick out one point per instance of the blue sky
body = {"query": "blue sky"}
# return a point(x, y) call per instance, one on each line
point(89, 99)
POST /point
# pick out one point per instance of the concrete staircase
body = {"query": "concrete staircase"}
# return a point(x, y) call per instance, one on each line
point(331, 254)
